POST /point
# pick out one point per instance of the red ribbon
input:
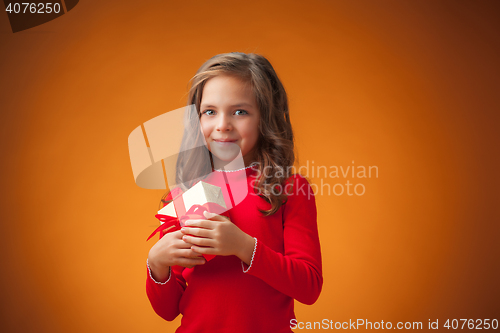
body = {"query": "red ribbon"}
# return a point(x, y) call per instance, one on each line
point(194, 213)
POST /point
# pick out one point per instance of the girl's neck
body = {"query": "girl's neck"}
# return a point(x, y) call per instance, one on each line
point(239, 163)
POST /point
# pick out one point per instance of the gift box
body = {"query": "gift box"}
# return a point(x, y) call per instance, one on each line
point(190, 206)
point(200, 194)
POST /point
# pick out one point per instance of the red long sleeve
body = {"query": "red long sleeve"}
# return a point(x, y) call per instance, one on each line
point(220, 297)
point(172, 290)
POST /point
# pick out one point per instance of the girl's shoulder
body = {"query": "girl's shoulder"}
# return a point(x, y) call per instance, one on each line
point(298, 178)
point(298, 185)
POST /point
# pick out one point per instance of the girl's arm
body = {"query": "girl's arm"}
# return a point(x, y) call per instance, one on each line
point(166, 261)
point(165, 296)
point(298, 272)
point(165, 283)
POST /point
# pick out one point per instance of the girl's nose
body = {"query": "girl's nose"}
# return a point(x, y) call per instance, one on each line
point(224, 123)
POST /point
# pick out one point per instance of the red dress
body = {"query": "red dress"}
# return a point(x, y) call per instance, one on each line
point(226, 295)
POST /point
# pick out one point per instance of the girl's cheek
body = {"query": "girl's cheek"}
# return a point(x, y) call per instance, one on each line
point(205, 131)
point(206, 128)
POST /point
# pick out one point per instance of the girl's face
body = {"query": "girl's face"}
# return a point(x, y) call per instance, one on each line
point(230, 115)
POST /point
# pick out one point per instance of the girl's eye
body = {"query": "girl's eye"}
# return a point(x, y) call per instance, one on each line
point(237, 112)
point(242, 112)
point(208, 112)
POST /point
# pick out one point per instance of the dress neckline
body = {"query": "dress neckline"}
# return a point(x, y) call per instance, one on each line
point(245, 168)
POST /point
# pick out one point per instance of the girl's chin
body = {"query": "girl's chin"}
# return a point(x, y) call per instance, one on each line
point(225, 151)
point(225, 156)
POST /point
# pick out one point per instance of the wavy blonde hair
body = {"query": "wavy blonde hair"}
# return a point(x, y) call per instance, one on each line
point(275, 146)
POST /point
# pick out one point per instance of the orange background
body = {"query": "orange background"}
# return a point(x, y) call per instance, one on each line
point(408, 86)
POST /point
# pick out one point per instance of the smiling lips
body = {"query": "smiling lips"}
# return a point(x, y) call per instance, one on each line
point(225, 142)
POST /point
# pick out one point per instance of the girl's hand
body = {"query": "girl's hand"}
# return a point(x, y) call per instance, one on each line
point(218, 235)
point(172, 250)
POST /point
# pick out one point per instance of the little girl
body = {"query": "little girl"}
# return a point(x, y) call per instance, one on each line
point(268, 254)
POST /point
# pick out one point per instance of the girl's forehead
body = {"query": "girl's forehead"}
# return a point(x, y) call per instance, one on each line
point(223, 89)
point(229, 79)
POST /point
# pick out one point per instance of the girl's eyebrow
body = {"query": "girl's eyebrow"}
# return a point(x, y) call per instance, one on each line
point(233, 106)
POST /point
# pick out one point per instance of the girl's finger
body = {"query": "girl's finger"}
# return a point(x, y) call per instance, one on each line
point(215, 217)
point(200, 232)
point(198, 241)
point(190, 261)
point(181, 244)
point(200, 223)
point(176, 234)
point(203, 250)
point(188, 253)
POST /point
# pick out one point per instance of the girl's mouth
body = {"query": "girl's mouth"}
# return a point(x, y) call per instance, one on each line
point(225, 143)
